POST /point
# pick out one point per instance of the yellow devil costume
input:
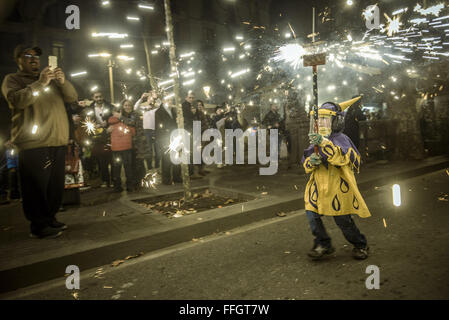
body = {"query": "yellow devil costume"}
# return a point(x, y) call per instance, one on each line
point(332, 188)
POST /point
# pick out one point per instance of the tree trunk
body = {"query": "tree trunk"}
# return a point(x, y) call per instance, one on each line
point(145, 35)
point(180, 116)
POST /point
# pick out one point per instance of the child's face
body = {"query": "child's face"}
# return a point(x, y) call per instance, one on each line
point(325, 125)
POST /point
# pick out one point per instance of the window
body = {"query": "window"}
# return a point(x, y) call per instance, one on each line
point(208, 34)
point(58, 50)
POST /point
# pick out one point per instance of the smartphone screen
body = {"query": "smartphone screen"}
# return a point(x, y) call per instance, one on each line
point(53, 62)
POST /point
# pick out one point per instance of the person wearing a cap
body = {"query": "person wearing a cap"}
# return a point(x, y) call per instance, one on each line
point(40, 130)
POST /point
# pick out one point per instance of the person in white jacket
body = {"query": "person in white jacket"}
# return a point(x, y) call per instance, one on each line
point(147, 105)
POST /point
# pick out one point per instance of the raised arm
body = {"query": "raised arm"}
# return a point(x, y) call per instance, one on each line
point(19, 97)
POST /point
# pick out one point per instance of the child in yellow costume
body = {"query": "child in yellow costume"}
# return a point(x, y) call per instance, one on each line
point(332, 188)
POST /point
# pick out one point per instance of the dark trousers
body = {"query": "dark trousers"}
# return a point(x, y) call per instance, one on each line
point(138, 166)
point(14, 188)
point(104, 160)
point(3, 173)
point(153, 144)
point(122, 158)
point(168, 167)
point(346, 225)
point(42, 173)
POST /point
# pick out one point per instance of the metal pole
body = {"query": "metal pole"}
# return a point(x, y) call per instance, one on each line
point(313, 25)
point(111, 79)
point(315, 68)
point(315, 85)
point(180, 116)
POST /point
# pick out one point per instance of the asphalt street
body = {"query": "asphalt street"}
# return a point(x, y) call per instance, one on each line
point(268, 259)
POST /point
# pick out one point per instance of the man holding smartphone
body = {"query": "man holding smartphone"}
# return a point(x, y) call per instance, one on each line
point(40, 130)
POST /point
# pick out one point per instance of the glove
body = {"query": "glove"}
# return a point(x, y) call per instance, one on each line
point(315, 138)
point(315, 159)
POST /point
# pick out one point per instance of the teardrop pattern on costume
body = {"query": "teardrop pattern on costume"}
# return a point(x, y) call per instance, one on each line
point(336, 203)
point(344, 186)
point(355, 203)
point(356, 164)
point(313, 195)
point(352, 156)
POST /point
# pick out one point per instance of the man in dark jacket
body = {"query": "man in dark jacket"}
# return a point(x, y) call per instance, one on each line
point(99, 112)
point(165, 118)
point(40, 130)
point(189, 117)
point(272, 120)
point(187, 112)
point(218, 118)
point(352, 118)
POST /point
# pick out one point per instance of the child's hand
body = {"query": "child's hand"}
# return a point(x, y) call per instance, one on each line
point(315, 138)
point(315, 159)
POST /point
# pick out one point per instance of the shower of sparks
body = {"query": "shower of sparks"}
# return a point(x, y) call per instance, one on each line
point(435, 10)
point(89, 125)
point(393, 25)
point(291, 53)
point(293, 31)
point(175, 144)
point(151, 180)
point(368, 13)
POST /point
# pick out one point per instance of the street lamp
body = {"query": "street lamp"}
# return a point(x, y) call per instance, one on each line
point(145, 26)
point(146, 7)
point(110, 65)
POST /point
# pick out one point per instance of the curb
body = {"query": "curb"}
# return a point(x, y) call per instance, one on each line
point(27, 275)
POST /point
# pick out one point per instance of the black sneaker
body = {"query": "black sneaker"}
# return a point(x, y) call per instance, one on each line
point(58, 225)
point(319, 252)
point(360, 253)
point(47, 232)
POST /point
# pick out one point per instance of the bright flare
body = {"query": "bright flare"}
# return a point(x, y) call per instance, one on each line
point(291, 54)
point(396, 195)
point(88, 125)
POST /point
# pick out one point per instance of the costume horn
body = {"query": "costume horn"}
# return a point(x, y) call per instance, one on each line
point(347, 104)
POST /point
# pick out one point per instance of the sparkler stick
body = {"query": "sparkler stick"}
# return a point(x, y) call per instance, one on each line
point(313, 61)
point(315, 86)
